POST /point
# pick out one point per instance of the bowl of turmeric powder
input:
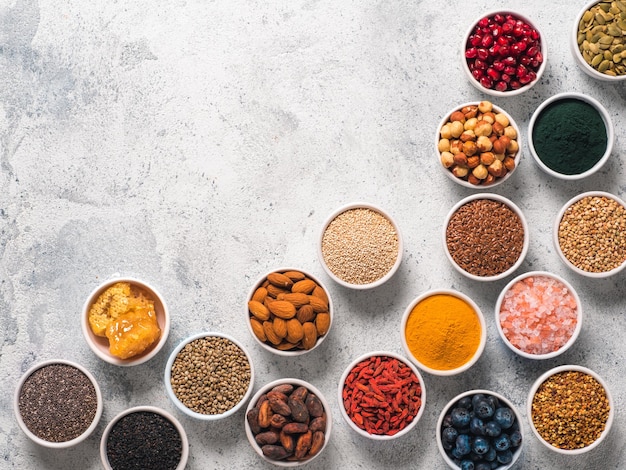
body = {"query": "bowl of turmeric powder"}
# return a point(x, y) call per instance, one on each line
point(125, 321)
point(443, 332)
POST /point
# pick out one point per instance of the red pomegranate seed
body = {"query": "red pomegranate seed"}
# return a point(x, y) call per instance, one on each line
point(471, 53)
point(487, 41)
point(501, 86)
point(505, 77)
point(486, 82)
point(482, 53)
point(509, 69)
point(498, 65)
point(493, 73)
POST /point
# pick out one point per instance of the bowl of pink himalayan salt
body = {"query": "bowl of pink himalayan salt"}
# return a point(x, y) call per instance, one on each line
point(538, 315)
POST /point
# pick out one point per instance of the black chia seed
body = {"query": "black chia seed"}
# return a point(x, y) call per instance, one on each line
point(144, 440)
point(57, 403)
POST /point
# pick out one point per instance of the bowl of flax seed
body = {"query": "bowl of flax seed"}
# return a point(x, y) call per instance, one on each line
point(485, 237)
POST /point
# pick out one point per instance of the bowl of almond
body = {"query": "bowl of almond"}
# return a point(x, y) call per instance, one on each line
point(289, 311)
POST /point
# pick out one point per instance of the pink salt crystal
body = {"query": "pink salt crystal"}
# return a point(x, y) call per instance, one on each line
point(538, 314)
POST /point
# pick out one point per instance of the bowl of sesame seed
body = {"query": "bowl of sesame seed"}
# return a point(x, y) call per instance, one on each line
point(360, 246)
point(209, 376)
point(590, 234)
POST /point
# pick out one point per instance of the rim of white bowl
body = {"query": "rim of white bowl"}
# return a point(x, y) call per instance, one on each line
point(608, 124)
point(100, 349)
point(345, 208)
point(168, 375)
point(483, 334)
point(151, 409)
point(579, 318)
point(511, 205)
point(542, 378)
point(348, 420)
point(76, 440)
point(557, 245)
point(518, 155)
point(501, 398)
point(578, 58)
point(296, 382)
point(540, 71)
point(292, 352)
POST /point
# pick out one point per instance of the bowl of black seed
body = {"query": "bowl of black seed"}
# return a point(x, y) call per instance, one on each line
point(209, 376)
point(485, 237)
point(58, 403)
point(144, 437)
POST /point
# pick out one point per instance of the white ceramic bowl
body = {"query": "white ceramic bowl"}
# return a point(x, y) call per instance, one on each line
point(541, 380)
point(557, 245)
point(502, 399)
point(483, 332)
point(608, 124)
point(575, 332)
point(100, 345)
point(493, 92)
point(368, 254)
point(464, 182)
point(268, 345)
point(296, 383)
point(148, 409)
point(179, 404)
point(30, 434)
point(578, 57)
point(515, 209)
point(348, 419)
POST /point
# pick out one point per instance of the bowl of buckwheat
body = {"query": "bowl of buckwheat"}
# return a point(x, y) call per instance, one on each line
point(209, 376)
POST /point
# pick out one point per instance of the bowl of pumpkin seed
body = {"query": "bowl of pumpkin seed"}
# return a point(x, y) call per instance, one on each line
point(598, 40)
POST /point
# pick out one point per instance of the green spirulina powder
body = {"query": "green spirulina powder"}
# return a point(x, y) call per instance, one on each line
point(569, 136)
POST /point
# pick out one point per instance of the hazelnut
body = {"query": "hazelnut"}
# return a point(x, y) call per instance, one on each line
point(444, 145)
point(490, 179)
point(472, 179)
point(485, 106)
point(496, 168)
point(499, 147)
point(457, 116)
point(470, 148)
point(457, 128)
point(489, 117)
point(509, 163)
point(460, 171)
point(456, 146)
point(510, 132)
point(446, 131)
point(497, 128)
point(513, 147)
point(480, 172)
point(484, 143)
point(482, 128)
point(502, 120)
point(468, 135)
point(470, 124)
point(487, 158)
point(473, 161)
point(460, 159)
point(470, 111)
point(447, 159)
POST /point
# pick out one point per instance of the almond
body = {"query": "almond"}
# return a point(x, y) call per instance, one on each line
point(305, 313)
point(270, 334)
point(295, 332)
point(286, 346)
point(280, 280)
point(257, 329)
point(318, 304)
point(259, 310)
point(310, 335)
point(322, 323)
point(321, 293)
point(274, 291)
point(260, 294)
point(305, 286)
point(294, 275)
point(282, 309)
point(280, 327)
point(298, 299)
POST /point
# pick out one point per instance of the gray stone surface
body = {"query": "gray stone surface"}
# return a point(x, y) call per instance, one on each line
point(197, 145)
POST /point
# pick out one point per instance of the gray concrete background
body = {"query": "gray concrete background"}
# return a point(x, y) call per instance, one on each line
point(199, 144)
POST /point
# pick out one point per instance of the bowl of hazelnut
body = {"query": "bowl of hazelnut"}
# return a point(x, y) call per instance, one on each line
point(478, 145)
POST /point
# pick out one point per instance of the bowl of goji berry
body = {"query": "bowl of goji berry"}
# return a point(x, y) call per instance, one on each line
point(381, 395)
point(504, 53)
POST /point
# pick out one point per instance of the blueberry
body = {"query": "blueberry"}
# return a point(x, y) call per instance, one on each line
point(482, 466)
point(447, 420)
point(493, 401)
point(480, 445)
point(516, 438)
point(465, 402)
point(477, 398)
point(495, 464)
point(492, 429)
point(502, 442)
point(456, 455)
point(504, 417)
point(447, 445)
point(483, 409)
point(505, 457)
point(449, 434)
point(463, 446)
point(467, 465)
point(460, 417)
point(477, 427)
point(490, 456)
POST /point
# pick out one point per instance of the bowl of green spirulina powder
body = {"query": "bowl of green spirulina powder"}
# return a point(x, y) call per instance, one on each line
point(570, 136)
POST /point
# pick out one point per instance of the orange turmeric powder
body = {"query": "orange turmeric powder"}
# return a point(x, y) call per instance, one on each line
point(443, 332)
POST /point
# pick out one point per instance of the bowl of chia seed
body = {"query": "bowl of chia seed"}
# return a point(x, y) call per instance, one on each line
point(144, 437)
point(209, 376)
point(58, 403)
point(360, 246)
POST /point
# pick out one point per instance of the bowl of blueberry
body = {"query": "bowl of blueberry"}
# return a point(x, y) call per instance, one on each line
point(480, 430)
point(504, 53)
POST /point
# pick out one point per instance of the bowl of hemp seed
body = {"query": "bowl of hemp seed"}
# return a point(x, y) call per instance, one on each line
point(209, 376)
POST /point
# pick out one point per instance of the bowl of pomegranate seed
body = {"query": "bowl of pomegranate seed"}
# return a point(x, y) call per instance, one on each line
point(504, 53)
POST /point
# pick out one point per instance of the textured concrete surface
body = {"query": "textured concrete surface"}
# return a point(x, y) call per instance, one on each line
point(197, 145)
